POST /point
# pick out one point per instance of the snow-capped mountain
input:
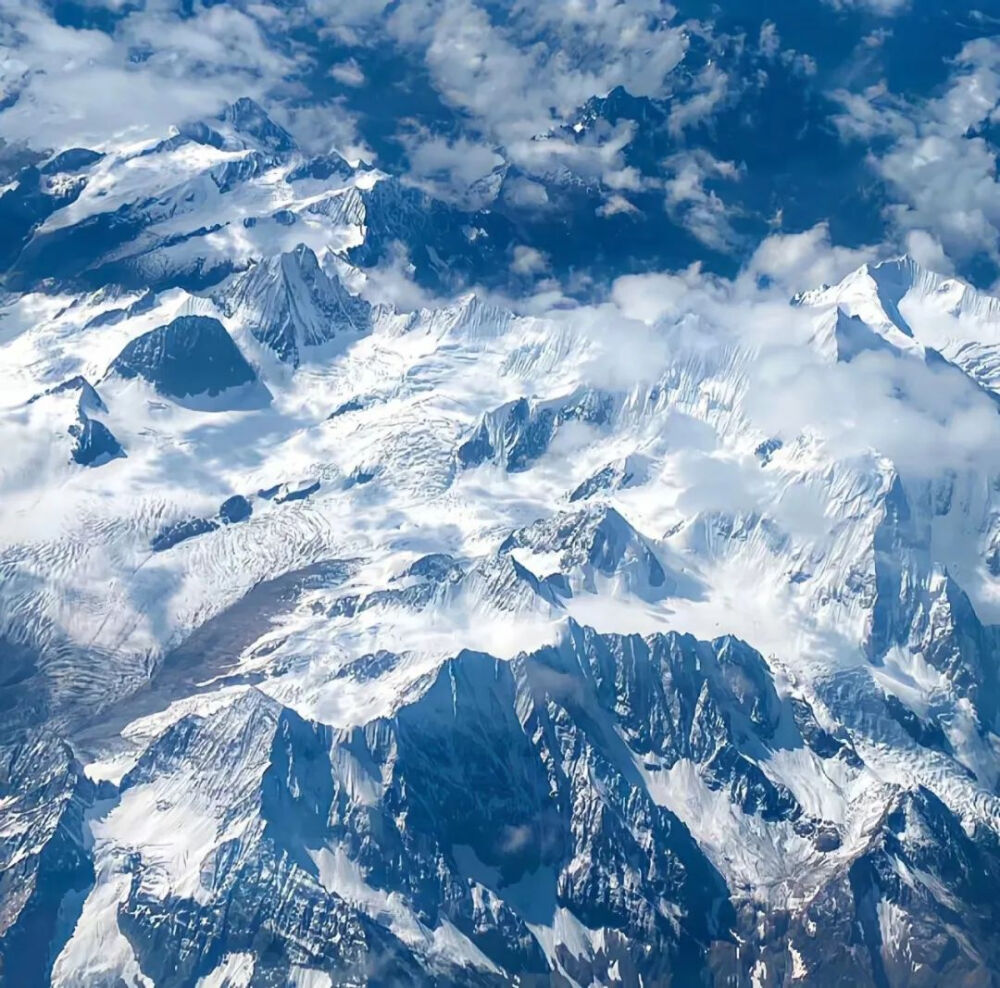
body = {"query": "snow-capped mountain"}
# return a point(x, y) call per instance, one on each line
point(349, 642)
point(291, 304)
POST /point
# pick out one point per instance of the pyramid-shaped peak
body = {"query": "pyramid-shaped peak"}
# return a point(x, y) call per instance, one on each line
point(190, 356)
point(888, 279)
point(469, 315)
point(891, 280)
point(249, 119)
point(301, 259)
point(911, 306)
point(597, 538)
point(290, 302)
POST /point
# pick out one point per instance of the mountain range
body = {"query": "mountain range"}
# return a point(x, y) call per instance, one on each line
point(350, 642)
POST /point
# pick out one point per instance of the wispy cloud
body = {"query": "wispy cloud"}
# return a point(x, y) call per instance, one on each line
point(934, 155)
point(71, 86)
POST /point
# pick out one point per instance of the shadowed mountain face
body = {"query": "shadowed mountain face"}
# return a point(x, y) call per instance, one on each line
point(505, 798)
point(458, 776)
point(189, 358)
point(499, 495)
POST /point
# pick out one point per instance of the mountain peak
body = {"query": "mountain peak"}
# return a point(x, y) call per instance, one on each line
point(592, 544)
point(290, 303)
point(189, 357)
point(249, 119)
point(877, 290)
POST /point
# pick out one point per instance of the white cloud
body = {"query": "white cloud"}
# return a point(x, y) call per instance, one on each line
point(927, 251)
point(689, 203)
point(937, 164)
point(445, 166)
point(648, 298)
point(322, 127)
point(884, 8)
point(515, 79)
point(614, 205)
point(343, 16)
point(392, 282)
point(528, 261)
point(524, 192)
point(523, 76)
point(348, 73)
point(711, 87)
point(598, 154)
point(795, 262)
point(769, 41)
point(85, 87)
point(924, 417)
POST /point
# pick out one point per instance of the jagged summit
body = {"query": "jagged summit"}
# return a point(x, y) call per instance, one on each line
point(76, 402)
point(323, 168)
point(879, 292)
point(249, 119)
point(899, 306)
point(290, 303)
point(517, 433)
point(628, 472)
point(592, 544)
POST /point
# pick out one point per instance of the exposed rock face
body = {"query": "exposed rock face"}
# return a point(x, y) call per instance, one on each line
point(506, 799)
point(591, 544)
point(291, 304)
point(518, 433)
point(95, 443)
point(45, 864)
point(190, 357)
point(248, 119)
point(628, 472)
